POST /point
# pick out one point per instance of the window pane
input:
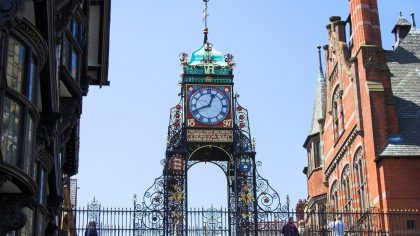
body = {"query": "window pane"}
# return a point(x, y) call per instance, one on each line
point(74, 64)
point(28, 158)
point(317, 155)
point(27, 229)
point(32, 82)
point(11, 133)
point(66, 53)
point(15, 65)
point(75, 29)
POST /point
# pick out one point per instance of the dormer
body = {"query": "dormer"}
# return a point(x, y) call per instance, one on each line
point(401, 29)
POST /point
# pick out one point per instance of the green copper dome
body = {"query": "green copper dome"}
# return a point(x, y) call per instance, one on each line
point(206, 52)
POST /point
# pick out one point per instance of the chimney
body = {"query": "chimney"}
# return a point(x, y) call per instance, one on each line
point(414, 20)
point(365, 22)
point(339, 27)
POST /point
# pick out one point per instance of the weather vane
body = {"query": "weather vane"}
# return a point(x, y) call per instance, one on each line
point(206, 14)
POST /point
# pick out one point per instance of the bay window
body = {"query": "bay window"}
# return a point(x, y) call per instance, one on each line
point(18, 123)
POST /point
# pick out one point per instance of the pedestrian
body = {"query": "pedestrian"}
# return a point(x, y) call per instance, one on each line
point(290, 229)
point(339, 226)
point(330, 226)
point(91, 229)
point(301, 228)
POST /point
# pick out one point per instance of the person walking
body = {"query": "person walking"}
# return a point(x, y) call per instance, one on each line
point(339, 226)
point(91, 229)
point(290, 229)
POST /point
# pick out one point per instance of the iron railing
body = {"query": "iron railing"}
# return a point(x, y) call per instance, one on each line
point(212, 222)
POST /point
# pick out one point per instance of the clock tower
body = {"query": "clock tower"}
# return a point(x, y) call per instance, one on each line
point(209, 125)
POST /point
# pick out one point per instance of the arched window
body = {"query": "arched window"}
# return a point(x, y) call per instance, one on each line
point(337, 112)
point(345, 183)
point(360, 182)
point(334, 195)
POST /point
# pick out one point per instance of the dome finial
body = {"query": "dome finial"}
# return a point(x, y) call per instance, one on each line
point(205, 15)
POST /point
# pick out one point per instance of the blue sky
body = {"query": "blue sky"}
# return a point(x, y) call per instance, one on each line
point(124, 126)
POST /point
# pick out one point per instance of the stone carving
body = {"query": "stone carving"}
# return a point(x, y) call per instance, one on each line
point(37, 40)
point(11, 215)
point(44, 137)
point(69, 117)
point(65, 10)
point(11, 12)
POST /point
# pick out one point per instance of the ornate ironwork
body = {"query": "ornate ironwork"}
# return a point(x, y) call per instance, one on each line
point(94, 209)
point(153, 197)
point(267, 197)
point(149, 215)
point(243, 141)
point(224, 165)
point(175, 137)
point(113, 221)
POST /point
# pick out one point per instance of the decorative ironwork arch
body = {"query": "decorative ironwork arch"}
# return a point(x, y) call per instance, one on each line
point(223, 165)
point(211, 146)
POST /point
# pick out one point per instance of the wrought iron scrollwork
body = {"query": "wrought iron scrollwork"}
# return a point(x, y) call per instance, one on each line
point(94, 210)
point(153, 198)
point(175, 130)
point(268, 200)
point(243, 141)
point(149, 214)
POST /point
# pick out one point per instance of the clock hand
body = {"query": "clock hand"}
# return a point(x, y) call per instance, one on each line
point(211, 99)
point(202, 107)
point(209, 104)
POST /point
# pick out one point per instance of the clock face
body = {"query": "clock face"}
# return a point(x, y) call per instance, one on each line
point(208, 105)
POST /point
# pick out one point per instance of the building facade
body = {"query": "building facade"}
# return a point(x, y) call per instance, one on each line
point(364, 143)
point(51, 51)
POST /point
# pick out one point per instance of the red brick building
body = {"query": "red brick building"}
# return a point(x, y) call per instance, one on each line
point(364, 142)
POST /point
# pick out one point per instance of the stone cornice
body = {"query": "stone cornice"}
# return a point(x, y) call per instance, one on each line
point(342, 151)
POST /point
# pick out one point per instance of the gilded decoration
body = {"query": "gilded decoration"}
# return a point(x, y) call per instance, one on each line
point(177, 195)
